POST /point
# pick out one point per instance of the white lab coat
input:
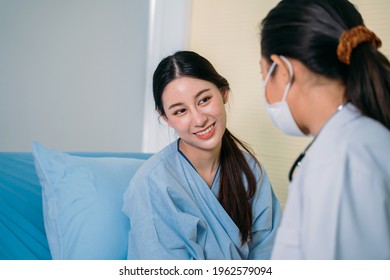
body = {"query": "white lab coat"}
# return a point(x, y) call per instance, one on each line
point(338, 204)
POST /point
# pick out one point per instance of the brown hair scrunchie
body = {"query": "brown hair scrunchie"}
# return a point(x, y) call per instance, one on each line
point(349, 39)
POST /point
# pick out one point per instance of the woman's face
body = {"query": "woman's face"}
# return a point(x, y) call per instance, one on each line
point(195, 109)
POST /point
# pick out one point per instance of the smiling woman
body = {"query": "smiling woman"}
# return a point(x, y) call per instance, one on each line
point(199, 115)
point(205, 196)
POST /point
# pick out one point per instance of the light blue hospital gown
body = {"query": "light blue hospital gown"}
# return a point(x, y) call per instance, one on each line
point(175, 215)
point(338, 205)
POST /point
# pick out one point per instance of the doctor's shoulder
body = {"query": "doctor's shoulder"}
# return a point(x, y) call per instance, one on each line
point(367, 134)
point(367, 141)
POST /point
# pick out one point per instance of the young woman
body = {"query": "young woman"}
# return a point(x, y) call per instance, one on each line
point(325, 77)
point(205, 196)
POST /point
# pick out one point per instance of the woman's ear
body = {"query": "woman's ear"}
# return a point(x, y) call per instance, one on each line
point(282, 68)
point(225, 95)
point(164, 117)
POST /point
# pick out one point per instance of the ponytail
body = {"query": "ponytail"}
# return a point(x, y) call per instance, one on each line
point(368, 83)
point(233, 195)
point(368, 74)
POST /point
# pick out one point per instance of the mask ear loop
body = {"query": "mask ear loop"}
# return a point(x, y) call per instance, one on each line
point(270, 70)
point(290, 69)
point(265, 81)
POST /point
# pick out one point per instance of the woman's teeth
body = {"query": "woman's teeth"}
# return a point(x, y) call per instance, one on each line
point(205, 131)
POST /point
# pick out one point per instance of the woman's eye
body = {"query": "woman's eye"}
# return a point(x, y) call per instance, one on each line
point(179, 112)
point(204, 100)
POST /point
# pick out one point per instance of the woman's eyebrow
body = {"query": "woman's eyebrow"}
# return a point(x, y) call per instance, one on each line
point(175, 105)
point(202, 91)
point(196, 96)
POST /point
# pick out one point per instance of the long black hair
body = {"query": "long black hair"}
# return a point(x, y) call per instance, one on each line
point(233, 195)
point(309, 31)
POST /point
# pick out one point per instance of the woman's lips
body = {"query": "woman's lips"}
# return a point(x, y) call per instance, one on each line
point(206, 133)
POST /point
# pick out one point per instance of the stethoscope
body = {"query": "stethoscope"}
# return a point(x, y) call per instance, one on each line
point(298, 161)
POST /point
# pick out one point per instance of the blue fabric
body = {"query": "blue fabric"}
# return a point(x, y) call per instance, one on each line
point(22, 231)
point(175, 215)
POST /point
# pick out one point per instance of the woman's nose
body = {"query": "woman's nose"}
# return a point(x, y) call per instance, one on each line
point(199, 118)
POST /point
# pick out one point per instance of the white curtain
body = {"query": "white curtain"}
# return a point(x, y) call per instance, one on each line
point(169, 31)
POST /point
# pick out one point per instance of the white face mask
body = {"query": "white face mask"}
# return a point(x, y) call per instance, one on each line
point(279, 112)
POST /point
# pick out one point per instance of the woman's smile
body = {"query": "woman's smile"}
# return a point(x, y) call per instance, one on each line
point(206, 133)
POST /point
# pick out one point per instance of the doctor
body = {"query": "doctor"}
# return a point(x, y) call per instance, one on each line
point(205, 196)
point(324, 76)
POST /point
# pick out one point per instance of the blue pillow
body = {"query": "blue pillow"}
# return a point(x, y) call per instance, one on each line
point(82, 201)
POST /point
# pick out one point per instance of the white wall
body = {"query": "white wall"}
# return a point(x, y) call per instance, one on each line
point(72, 74)
point(76, 74)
